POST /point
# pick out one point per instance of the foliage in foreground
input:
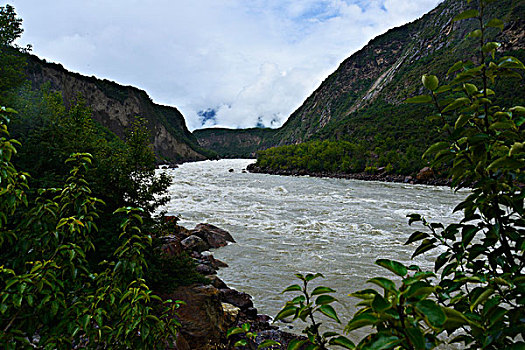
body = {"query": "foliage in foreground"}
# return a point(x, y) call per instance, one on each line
point(49, 297)
point(476, 295)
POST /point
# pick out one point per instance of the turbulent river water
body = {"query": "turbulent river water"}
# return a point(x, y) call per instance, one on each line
point(284, 225)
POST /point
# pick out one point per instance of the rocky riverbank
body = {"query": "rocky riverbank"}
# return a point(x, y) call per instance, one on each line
point(425, 176)
point(211, 309)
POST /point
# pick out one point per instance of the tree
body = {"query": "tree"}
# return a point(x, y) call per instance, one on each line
point(12, 62)
point(50, 297)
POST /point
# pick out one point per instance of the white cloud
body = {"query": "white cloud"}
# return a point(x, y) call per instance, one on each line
point(249, 60)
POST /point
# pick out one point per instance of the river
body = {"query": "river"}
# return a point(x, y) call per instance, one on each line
point(284, 225)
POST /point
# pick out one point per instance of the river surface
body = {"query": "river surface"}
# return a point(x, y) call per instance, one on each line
point(284, 225)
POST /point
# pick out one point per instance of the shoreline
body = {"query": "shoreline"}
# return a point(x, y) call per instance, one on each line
point(413, 180)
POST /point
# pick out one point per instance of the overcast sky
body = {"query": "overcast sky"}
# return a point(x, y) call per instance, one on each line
point(246, 62)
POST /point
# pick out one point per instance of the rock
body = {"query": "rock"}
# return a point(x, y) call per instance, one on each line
point(231, 313)
point(172, 246)
point(231, 170)
point(205, 269)
point(217, 282)
point(263, 319)
point(407, 179)
point(251, 313)
point(236, 298)
point(214, 236)
point(194, 243)
point(425, 174)
point(202, 316)
point(211, 261)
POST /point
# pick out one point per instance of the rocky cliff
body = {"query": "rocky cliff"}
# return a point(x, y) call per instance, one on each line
point(115, 106)
point(234, 143)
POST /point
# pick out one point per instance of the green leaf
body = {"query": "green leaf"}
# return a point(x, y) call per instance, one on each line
point(268, 343)
point(457, 66)
point(416, 338)
point(467, 234)
point(495, 23)
point(462, 120)
point(458, 103)
point(419, 99)
point(311, 276)
point(454, 319)
point(329, 311)
point(438, 146)
point(506, 162)
point(325, 299)
point(510, 62)
point(382, 341)
point(292, 288)
point(416, 236)
point(432, 312)
point(425, 246)
point(466, 15)
point(475, 34)
point(295, 344)
point(504, 125)
point(322, 290)
point(394, 266)
point(241, 342)
point(379, 304)
point(361, 320)
point(431, 82)
point(481, 298)
point(286, 312)
point(343, 342)
point(383, 283)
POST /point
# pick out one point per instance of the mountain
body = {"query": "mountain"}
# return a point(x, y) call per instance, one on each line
point(362, 101)
point(114, 106)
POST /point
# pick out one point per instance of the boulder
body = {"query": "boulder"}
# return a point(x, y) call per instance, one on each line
point(236, 298)
point(202, 318)
point(205, 269)
point(194, 243)
point(231, 313)
point(214, 236)
point(217, 282)
point(425, 174)
point(171, 245)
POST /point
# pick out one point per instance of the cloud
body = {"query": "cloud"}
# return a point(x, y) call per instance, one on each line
point(251, 61)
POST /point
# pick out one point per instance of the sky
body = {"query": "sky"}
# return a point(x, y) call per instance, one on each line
point(222, 63)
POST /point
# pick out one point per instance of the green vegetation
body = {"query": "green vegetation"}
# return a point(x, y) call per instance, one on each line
point(474, 297)
point(340, 157)
point(77, 258)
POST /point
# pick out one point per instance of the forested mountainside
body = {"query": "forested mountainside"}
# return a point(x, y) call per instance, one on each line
point(115, 106)
point(362, 101)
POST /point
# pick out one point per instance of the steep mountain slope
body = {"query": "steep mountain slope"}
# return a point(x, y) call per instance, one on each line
point(361, 101)
point(234, 143)
point(114, 106)
point(388, 69)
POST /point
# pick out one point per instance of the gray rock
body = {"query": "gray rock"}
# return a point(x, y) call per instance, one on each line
point(214, 236)
point(194, 243)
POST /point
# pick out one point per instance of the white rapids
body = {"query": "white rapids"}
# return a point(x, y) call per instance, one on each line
point(284, 225)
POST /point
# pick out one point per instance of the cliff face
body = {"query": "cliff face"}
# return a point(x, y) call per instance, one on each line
point(115, 106)
point(232, 143)
point(363, 97)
